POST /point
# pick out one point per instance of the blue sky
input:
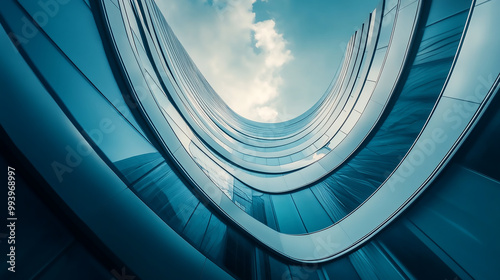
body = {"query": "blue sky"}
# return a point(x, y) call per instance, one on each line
point(270, 60)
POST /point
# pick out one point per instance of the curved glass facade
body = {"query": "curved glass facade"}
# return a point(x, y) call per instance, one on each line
point(140, 168)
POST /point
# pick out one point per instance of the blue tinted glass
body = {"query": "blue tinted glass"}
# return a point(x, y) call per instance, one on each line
point(313, 215)
point(287, 216)
point(197, 225)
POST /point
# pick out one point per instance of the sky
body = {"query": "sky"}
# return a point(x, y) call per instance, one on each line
point(269, 60)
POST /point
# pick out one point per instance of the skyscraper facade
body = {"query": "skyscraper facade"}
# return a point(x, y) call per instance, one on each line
point(133, 166)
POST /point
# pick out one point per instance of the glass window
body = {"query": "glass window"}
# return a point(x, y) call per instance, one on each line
point(288, 218)
point(313, 215)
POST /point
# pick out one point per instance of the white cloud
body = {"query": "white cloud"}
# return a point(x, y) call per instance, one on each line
point(272, 43)
point(267, 113)
point(242, 59)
